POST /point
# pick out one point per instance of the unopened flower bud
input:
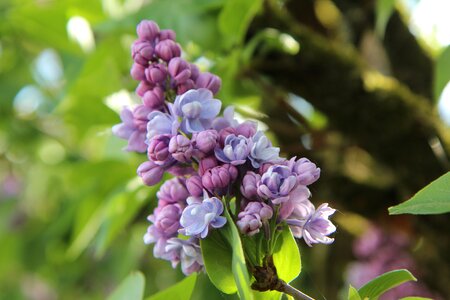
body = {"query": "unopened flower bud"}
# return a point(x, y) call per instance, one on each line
point(194, 186)
point(167, 49)
point(158, 149)
point(249, 186)
point(209, 81)
point(150, 173)
point(137, 72)
point(154, 98)
point(156, 73)
point(206, 141)
point(147, 30)
point(206, 164)
point(142, 52)
point(179, 70)
point(167, 34)
point(181, 148)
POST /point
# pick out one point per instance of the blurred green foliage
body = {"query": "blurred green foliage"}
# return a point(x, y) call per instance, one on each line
point(72, 211)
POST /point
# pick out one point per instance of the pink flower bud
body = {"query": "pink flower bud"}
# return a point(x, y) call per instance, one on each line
point(142, 52)
point(209, 81)
point(194, 186)
point(150, 173)
point(154, 98)
point(179, 70)
point(185, 86)
point(167, 34)
point(143, 87)
point(167, 49)
point(206, 164)
point(205, 141)
point(158, 149)
point(137, 72)
point(156, 73)
point(147, 30)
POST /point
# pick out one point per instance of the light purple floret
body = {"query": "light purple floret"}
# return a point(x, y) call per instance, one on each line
point(235, 151)
point(262, 150)
point(312, 224)
point(197, 108)
point(187, 252)
point(252, 217)
point(133, 127)
point(162, 123)
point(276, 184)
point(306, 171)
point(198, 216)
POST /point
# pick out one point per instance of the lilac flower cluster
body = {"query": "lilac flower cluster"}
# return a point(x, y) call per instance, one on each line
point(213, 158)
point(378, 252)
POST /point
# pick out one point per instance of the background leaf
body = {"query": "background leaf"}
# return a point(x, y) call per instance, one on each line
point(385, 282)
point(180, 291)
point(235, 18)
point(442, 72)
point(432, 199)
point(353, 293)
point(383, 11)
point(131, 288)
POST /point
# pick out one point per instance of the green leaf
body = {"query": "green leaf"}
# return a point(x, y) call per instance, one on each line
point(353, 293)
point(385, 282)
point(218, 270)
point(131, 288)
point(383, 11)
point(180, 291)
point(235, 18)
point(442, 72)
point(432, 199)
point(229, 273)
point(239, 268)
point(286, 256)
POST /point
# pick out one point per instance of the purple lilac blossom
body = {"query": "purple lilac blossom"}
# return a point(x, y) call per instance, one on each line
point(197, 217)
point(142, 52)
point(297, 199)
point(247, 129)
point(162, 123)
point(197, 108)
point(252, 217)
point(235, 151)
point(167, 49)
point(380, 251)
point(227, 120)
point(306, 171)
point(179, 69)
point(276, 184)
point(262, 150)
point(313, 225)
point(187, 252)
point(156, 73)
point(133, 127)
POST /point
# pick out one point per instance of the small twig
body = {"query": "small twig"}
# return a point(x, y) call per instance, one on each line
point(267, 280)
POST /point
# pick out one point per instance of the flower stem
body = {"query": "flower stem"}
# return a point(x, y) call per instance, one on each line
point(296, 294)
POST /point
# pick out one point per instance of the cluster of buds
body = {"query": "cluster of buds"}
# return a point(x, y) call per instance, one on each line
point(213, 159)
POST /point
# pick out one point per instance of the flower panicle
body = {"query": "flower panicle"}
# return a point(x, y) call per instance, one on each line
point(212, 157)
